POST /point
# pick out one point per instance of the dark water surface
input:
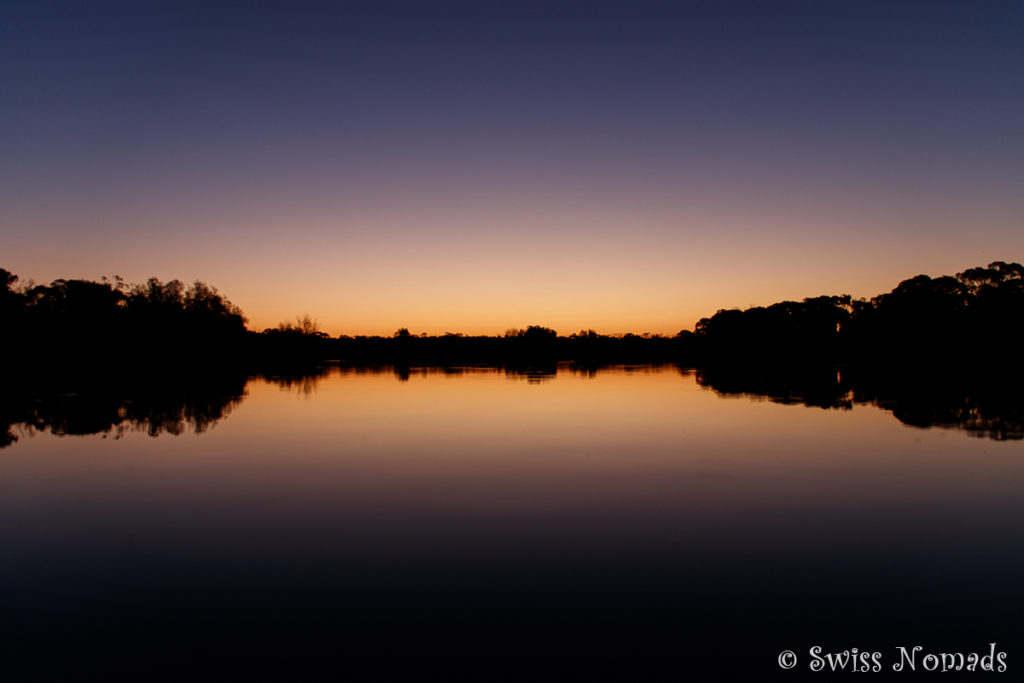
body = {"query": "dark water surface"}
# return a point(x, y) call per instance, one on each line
point(435, 519)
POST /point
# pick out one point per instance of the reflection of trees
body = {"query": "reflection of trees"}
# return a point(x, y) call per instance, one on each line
point(175, 405)
point(154, 405)
point(821, 387)
point(304, 382)
point(975, 417)
point(986, 409)
point(532, 373)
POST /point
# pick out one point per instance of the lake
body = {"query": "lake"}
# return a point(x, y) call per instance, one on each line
point(452, 515)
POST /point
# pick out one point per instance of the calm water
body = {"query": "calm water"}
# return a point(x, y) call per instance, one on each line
point(629, 511)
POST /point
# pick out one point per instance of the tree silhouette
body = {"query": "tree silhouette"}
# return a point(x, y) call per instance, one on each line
point(974, 317)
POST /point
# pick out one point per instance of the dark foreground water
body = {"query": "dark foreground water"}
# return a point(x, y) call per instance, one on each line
point(478, 520)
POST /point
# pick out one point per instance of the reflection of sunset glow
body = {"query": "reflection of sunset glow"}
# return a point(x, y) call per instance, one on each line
point(644, 438)
point(467, 492)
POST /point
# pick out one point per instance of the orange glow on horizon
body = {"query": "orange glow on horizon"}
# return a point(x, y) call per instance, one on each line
point(434, 269)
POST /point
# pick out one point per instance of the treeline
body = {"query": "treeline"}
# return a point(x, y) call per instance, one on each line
point(975, 317)
point(78, 324)
point(535, 345)
point(972, 318)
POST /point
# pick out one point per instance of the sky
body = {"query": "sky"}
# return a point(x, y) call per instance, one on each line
point(470, 167)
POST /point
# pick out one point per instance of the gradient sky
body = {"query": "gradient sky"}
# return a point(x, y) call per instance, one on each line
point(475, 166)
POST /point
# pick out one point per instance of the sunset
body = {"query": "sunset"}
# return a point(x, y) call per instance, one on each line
point(499, 340)
point(469, 168)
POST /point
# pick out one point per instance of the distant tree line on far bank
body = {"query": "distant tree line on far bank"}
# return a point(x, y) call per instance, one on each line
point(973, 318)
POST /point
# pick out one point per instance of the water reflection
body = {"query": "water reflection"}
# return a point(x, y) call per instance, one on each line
point(436, 512)
point(533, 374)
point(992, 408)
point(175, 405)
point(115, 406)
